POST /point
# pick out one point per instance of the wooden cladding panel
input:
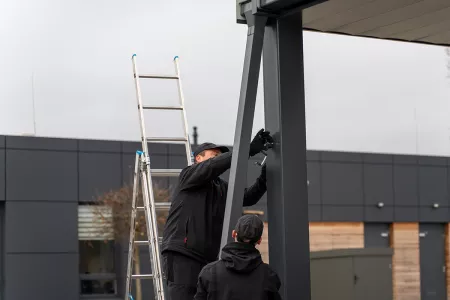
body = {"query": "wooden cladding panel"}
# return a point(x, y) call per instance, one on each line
point(324, 236)
point(406, 261)
point(329, 236)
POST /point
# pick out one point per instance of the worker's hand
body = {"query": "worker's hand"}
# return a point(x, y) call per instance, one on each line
point(257, 144)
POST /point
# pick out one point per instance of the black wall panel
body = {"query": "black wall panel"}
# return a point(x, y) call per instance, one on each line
point(153, 148)
point(314, 213)
point(98, 173)
point(376, 158)
point(341, 156)
point(37, 227)
point(314, 196)
point(2, 141)
point(342, 213)
point(99, 146)
point(342, 184)
point(22, 142)
point(433, 186)
point(177, 161)
point(2, 175)
point(378, 184)
point(47, 175)
point(406, 214)
point(376, 235)
point(430, 214)
point(2, 250)
point(406, 185)
point(375, 214)
point(38, 276)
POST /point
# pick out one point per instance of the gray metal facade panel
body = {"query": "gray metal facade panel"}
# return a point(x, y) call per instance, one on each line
point(406, 214)
point(405, 159)
point(340, 213)
point(376, 235)
point(314, 183)
point(42, 276)
point(153, 148)
point(432, 261)
point(433, 186)
point(47, 175)
point(406, 185)
point(35, 143)
point(342, 190)
point(312, 155)
point(98, 173)
point(176, 149)
point(41, 227)
point(2, 141)
point(375, 158)
point(177, 161)
point(375, 214)
point(2, 175)
point(314, 213)
point(432, 215)
point(378, 184)
point(99, 146)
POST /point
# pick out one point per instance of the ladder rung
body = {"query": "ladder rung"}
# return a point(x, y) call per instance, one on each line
point(158, 76)
point(141, 242)
point(165, 172)
point(160, 205)
point(142, 276)
point(146, 242)
point(163, 107)
point(166, 139)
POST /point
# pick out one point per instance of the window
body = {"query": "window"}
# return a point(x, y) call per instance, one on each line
point(97, 250)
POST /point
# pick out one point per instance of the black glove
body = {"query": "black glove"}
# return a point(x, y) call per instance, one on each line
point(257, 144)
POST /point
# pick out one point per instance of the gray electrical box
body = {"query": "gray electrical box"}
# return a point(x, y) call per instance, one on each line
point(352, 274)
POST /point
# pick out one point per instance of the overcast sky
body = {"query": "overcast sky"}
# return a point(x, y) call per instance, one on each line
point(73, 60)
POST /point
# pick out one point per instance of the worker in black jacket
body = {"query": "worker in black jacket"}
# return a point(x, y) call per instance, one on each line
point(193, 229)
point(240, 273)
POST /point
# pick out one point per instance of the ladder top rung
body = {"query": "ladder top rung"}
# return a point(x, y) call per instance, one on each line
point(166, 139)
point(142, 276)
point(165, 172)
point(163, 107)
point(158, 76)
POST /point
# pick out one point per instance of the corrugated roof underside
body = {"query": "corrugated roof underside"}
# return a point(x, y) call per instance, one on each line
point(423, 21)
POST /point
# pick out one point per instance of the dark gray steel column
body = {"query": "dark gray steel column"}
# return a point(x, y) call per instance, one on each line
point(244, 124)
point(287, 196)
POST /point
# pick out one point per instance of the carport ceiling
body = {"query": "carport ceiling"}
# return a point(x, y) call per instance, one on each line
point(420, 21)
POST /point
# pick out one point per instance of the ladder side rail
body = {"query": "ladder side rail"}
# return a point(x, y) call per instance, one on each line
point(132, 227)
point(140, 106)
point(190, 158)
point(152, 228)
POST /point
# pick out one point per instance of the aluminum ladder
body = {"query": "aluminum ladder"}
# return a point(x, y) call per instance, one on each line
point(143, 179)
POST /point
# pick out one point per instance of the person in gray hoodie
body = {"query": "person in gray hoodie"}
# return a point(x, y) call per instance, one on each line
point(240, 273)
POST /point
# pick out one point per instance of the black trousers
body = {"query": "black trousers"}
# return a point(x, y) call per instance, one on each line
point(181, 274)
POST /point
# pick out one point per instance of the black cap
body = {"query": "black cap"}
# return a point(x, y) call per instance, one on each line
point(249, 227)
point(209, 146)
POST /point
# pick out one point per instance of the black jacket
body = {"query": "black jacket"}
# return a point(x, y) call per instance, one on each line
point(240, 274)
point(195, 220)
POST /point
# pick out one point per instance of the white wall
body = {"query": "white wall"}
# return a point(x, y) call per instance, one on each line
point(73, 59)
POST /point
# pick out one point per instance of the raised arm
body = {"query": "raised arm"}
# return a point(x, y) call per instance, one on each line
point(255, 192)
point(200, 173)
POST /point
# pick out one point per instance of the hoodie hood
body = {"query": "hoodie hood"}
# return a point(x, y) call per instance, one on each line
point(241, 257)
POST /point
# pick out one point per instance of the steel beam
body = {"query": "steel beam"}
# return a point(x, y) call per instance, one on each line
point(287, 196)
point(244, 123)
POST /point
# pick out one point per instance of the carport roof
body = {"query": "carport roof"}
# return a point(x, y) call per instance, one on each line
point(419, 21)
